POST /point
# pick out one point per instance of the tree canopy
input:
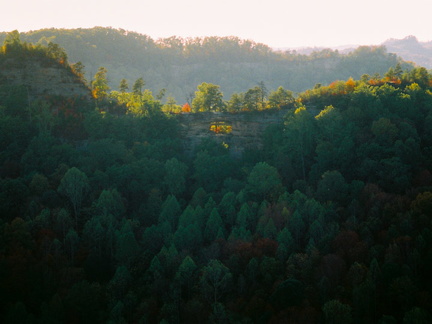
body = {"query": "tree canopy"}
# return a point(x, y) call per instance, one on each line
point(107, 217)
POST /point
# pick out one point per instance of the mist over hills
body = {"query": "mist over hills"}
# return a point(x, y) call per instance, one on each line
point(179, 65)
point(408, 48)
point(411, 49)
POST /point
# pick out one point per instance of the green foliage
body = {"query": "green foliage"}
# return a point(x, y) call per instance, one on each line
point(138, 87)
point(126, 246)
point(175, 176)
point(74, 185)
point(417, 315)
point(110, 202)
point(281, 99)
point(332, 187)
point(235, 64)
point(211, 171)
point(13, 100)
point(337, 312)
point(208, 97)
point(214, 227)
point(236, 102)
point(254, 98)
point(170, 211)
point(100, 84)
point(188, 237)
point(288, 293)
point(12, 41)
point(264, 182)
point(328, 222)
point(215, 280)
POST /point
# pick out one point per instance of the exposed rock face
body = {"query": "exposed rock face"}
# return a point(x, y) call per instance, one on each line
point(42, 78)
point(246, 128)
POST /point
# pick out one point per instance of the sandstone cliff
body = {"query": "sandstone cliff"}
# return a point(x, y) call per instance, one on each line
point(42, 78)
point(246, 128)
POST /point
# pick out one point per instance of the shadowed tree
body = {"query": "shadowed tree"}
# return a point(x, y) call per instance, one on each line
point(118, 285)
point(71, 243)
point(417, 315)
point(170, 211)
point(244, 217)
point(215, 281)
point(17, 313)
point(63, 222)
point(264, 182)
point(110, 202)
point(74, 185)
point(286, 244)
point(186, 274)
point(270, 230)
point(175, 176)
point(297, 227)
point(227, 208)
point(188, 237)
point(288, 293)
point(187, 216)
point(214, 227)
point(336, 312)
point(300, 126)
point(126, 246)
point(332, 187)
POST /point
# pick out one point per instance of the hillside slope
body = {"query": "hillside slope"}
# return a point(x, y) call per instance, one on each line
point(410, 49)
point(42, 78)
point(179, 65)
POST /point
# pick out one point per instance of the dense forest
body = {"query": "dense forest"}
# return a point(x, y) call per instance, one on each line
point(179, 65)
point(105, 219)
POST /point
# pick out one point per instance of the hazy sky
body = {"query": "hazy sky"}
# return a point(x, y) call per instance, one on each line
point(277, 23)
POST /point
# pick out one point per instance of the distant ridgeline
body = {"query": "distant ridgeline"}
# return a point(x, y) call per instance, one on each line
point(179, 65)
point(31, 73)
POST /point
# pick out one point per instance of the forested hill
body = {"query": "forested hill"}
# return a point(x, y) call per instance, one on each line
point(178, 65)
point(410, 48)
point(104, 218)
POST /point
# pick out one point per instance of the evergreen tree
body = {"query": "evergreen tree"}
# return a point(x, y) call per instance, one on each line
point(126, 246)
point(213, 226)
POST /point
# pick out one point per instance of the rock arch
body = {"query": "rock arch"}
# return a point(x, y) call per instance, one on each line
point(245, 128)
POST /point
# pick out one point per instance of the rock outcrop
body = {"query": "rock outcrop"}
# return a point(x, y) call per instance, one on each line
point(42, 78)
point(245, 128)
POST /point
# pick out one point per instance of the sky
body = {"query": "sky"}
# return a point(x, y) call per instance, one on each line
point(276, 23)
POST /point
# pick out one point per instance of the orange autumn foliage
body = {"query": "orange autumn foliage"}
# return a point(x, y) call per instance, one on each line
point(350, 84)
point(186, 108)
point(223, 129)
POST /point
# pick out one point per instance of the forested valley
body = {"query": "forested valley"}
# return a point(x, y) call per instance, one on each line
point(105, 219)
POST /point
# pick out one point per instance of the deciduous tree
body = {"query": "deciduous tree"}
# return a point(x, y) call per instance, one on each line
point(208, 97)
point(74, 185)
point(215, 281)
point(264, 182)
